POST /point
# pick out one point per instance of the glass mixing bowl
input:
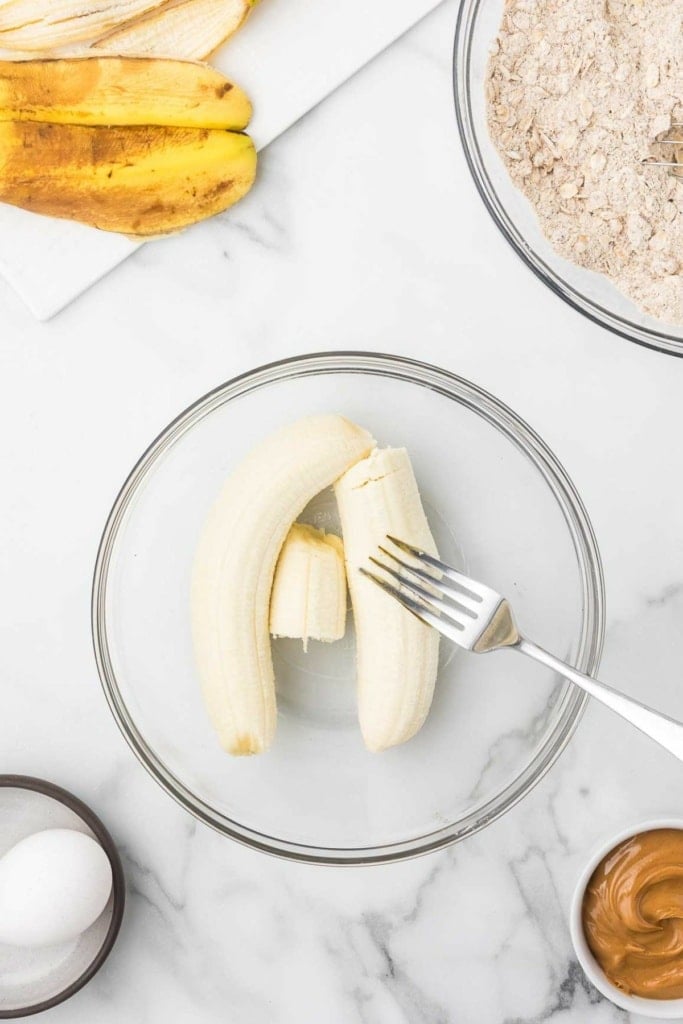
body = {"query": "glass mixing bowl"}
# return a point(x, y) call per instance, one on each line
point(500, 505)
point(590, 293)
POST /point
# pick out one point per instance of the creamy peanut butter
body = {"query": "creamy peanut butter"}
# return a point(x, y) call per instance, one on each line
point(633, 914)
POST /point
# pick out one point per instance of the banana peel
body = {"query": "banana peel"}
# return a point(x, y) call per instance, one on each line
point(191, 29)
point(35, 25)
point(121, 91)
point(140, 146)
point(138, 180)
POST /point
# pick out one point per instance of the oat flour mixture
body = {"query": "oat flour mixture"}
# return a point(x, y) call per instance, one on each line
point(578, 92)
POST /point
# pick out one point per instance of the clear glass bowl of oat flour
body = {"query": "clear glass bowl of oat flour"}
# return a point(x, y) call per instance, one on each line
point(591, 293)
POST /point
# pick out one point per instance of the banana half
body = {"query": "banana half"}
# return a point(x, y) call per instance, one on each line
point(235, 565)
point(397, 654)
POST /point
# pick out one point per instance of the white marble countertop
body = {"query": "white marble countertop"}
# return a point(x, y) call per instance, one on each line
point(365, 231)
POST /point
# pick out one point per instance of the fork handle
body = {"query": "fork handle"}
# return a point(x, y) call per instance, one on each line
point(664, 730)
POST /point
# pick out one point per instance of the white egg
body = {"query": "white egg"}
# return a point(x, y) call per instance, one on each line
point(53, 885)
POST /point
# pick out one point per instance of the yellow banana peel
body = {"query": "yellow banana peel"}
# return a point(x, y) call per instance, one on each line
point(138, 180)
point(121, 91)
point(142, 146)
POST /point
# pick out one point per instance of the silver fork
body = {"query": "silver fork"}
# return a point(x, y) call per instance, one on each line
point(480, 620)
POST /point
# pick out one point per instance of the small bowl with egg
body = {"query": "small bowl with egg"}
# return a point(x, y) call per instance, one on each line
point(626, 919)
point(62, 894)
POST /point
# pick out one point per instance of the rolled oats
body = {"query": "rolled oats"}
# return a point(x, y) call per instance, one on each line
point(586, 89)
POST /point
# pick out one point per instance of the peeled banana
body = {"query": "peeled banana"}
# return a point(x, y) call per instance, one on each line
point(144, 181)
point(397, 655)
point(191, 29)
point(106, 91)
point(309, 589)
point(235, 565)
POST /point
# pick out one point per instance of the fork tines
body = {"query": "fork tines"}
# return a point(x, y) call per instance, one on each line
point(427, 587)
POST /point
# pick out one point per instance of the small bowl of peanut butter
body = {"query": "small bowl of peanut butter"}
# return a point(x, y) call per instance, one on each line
point(626, 919)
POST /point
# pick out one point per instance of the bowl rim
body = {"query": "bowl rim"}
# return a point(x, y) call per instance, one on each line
point(94, 823)
point(658, 340)
point(524, 438)
point(659, 1009)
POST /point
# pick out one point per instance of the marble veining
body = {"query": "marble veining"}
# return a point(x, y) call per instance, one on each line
point(364, 231)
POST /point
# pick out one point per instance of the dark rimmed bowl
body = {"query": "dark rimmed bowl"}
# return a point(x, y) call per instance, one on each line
point(37, 804)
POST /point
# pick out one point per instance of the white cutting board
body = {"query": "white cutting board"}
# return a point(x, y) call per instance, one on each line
point(289, 56)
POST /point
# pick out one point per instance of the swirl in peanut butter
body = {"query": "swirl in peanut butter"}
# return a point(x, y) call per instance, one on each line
point(633, 914)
